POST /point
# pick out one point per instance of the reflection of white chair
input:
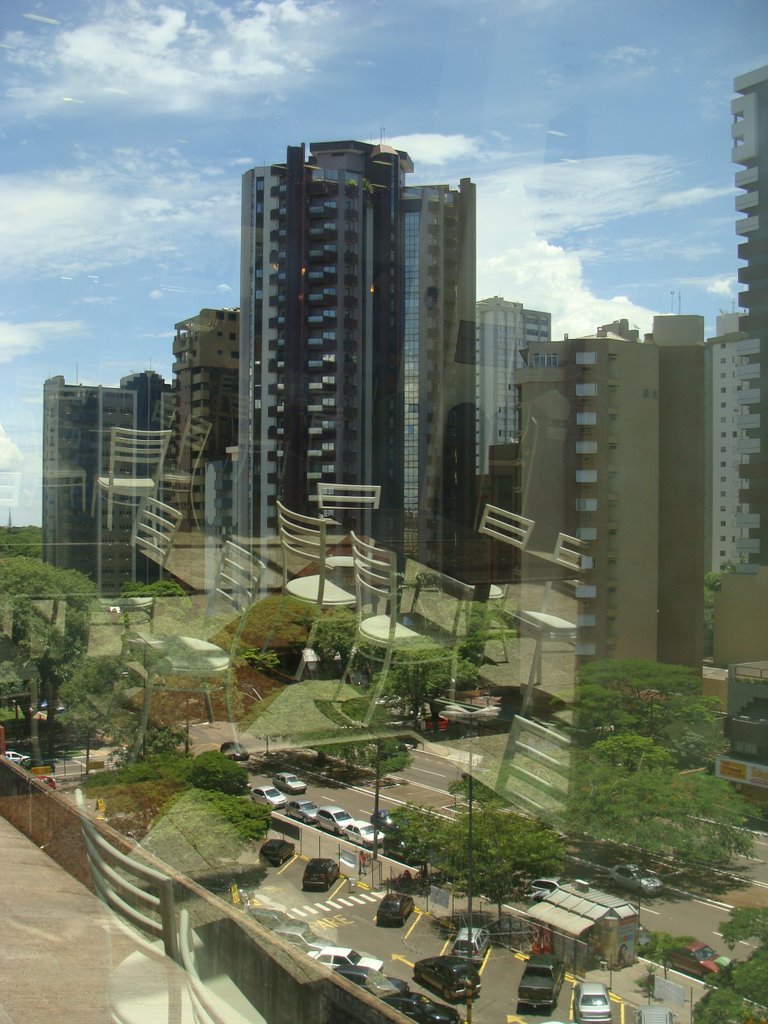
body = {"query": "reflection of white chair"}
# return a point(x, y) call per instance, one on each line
point(135, 463)
point(507, 528)
point(191, 451)
point(377, 585)
point(148, 984)
point(343, 499)
point(238, 576)
point(154, 529)
point(305, 539)
point(179, 656)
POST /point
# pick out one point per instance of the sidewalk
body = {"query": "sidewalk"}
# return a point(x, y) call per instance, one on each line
point(57, 940)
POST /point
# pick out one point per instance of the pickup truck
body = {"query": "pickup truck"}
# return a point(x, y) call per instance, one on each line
point(541, 982)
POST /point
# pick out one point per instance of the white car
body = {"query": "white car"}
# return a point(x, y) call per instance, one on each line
point(268, 795)
point(362, 833)
point(20, 759)
point(289, 783)
point(541, 888)
point(340, 956)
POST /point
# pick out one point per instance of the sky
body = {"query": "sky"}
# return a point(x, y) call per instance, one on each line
point(597, 132)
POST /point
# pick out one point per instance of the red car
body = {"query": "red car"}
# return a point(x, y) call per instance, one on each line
point(697, 958)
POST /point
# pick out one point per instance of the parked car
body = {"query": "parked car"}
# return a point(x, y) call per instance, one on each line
point(541, 982)
point(394, 908)
point(268, 795)
point(234, 751)
point(380, 984)
point(302, 810)
point(474, 944)
point(20, 759)
point(277, 851)
point(423, 1009)
point(635, 879)
point(542, 887)
point(340, 956)
point(449, 975)
point(592, 1004)
point(362, 833)
point(289, 783)
point(697, 958)
point(299, 935)
point(320, 873)
point(333, 819)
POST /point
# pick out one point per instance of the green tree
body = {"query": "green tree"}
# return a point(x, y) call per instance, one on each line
point(508, 851)
point(21, 540)
point(422, 672)
point(334, 635)
point(94, 697)
point(661, 702)
point(689, 817)
point(212, 770)
point(723, 1006)
point(746, 923)
point(50, 616)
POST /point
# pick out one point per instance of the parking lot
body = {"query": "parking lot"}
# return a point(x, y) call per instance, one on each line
point(345, 916)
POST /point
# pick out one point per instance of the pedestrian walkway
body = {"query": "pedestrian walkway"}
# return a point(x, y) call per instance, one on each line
point(337, 903)
point(58, 940)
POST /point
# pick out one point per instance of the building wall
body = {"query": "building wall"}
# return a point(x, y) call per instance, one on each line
point(612, 452)
point(750, 151)
point(739, 617)
point(357, 341)
point(503, 329)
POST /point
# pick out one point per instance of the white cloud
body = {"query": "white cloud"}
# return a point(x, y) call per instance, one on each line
point(722, 286)
point(692, 196)
point(170, 58)
point(111, 212)
point(10, 454)
point(21, 339)
point(433, 150)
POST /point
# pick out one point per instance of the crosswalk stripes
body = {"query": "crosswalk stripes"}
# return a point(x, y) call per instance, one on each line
point(359, 899)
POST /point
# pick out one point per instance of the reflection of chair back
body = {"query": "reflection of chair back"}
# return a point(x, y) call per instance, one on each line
point(155, 528)
point(135, 462)
point(506, 527)
point(191, 452)
point(238, 576)
point(140, 896)
point(342, 497)
point(10, 488)
point(306, 539)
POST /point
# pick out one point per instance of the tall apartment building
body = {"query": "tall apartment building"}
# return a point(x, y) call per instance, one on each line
point(725, 389)
point(504, 329)
point(357, 354)
point(206, 358)
point(612, 452)
point(750, 150)
point(77, 420)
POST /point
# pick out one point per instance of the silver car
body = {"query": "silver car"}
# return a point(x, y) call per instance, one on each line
point(592, 1004)
point(268, 795)
point(302, 810)
point(635, 879)
point(289, 783)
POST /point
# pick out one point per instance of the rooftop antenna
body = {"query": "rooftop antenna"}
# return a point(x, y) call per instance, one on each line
point(679, 300)
point(382, 133)
point(672, 301)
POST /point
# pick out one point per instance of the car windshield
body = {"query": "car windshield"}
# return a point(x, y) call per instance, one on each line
point(353, 958)
point(593, 1000)
point(705, 953)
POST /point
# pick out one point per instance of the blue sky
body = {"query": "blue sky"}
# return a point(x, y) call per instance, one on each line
point(598, 134)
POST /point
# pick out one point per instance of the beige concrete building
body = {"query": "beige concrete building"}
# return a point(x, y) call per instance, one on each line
point(612, 452)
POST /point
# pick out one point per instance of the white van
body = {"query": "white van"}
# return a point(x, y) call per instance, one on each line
point(333, 819)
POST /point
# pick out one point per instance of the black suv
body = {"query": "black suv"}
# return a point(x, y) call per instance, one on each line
point(423, 1010)
point(451, 976)
point(277, 851)
point(234, 751)
point(320, 873)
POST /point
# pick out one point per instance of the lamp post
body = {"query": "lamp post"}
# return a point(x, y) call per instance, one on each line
point(469, 716)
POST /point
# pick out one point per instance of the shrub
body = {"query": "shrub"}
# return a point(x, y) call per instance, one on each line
point(213, 771)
